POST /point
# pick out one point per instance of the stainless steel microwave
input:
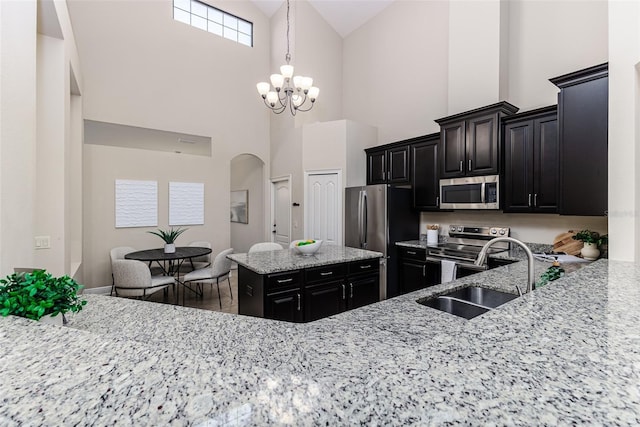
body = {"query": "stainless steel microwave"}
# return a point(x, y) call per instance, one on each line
point(474, 192)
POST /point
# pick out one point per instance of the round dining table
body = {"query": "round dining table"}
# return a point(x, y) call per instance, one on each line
point(169, 262)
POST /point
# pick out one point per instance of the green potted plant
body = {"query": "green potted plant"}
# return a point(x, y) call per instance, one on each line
point(169, 238)
point(591, 239)
point(39, 294)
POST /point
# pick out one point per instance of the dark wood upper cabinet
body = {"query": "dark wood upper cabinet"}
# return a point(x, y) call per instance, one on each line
point(424, 173)
point(583, 134)
point(388, 164)
point(531, 161)
point(470, 141)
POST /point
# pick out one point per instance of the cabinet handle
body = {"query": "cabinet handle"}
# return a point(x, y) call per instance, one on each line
point(299, 302)
point(469, 165)
point(351, 290)
point(424, 272)
point(362, 267)
point(438, 201)
point(326, 273)
point(529, 203)
point(344, 291)
point(411, 253)
point(461, 165)
point(535, 200)
point(281, 281)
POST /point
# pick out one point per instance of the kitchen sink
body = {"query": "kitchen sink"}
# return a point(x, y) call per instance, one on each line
point(482, 296)
point(469, 302)
point(454, 306)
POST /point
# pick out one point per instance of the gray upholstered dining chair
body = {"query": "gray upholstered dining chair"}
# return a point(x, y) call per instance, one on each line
point(116, 254)
point(220, 270)
point(198, 262)
point(265, 246)
point(133, 278)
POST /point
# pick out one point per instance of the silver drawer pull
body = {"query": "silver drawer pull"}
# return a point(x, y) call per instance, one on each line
point(412, 253)
point(327, 273)
point(365, 266)
point(285, 280)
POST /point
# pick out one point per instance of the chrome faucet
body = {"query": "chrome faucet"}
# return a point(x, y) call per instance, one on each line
point(531, 284)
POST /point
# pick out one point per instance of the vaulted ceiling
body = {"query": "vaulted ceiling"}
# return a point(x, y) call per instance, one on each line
point(343, 15)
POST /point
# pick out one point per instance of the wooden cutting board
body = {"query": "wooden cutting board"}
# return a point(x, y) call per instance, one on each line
point(565, 243)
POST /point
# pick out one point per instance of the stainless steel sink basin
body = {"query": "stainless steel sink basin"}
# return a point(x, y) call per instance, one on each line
point(469, 302)
point(453, 306)
point(482, 296)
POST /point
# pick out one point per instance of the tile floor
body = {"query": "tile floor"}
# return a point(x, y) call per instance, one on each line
point(209, 301)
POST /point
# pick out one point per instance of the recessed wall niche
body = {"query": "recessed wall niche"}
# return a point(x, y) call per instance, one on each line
point(119, 135)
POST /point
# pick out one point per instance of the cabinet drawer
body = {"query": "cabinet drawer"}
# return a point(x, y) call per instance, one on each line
point(325, 273)
point(365, 266)
point(413, 253)
point(289, 279)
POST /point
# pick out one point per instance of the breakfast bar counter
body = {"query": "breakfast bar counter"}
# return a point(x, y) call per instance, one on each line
point(567, 353)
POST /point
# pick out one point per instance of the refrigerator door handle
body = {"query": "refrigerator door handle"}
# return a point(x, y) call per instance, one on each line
point(365, 219)
point(360, 193)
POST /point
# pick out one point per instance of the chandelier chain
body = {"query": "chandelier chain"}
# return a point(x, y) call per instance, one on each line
point(288, 56)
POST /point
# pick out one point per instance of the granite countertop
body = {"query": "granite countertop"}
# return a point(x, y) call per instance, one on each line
point(567, 353)
point(288, 259)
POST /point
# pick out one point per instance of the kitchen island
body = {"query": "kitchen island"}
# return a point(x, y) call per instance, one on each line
point(286, 285)
point(568, 353)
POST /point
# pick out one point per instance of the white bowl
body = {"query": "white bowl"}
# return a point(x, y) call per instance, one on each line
point(309, 249)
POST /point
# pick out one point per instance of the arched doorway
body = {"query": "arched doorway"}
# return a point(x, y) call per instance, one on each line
point(247, 173)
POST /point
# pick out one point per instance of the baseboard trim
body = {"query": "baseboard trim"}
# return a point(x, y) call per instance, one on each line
point(102, 290)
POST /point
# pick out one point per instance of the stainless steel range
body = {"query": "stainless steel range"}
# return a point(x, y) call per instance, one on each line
point(464, 245)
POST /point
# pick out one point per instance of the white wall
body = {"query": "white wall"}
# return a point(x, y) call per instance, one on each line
point(549, 39)
point(624, 130)
point(395, 70)
point(17, 134)
point(475, 33)
point(104, 164)
point(158, 73)
point(247, 174)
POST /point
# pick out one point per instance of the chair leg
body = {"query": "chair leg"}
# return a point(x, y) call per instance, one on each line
point(219, 296)
point(230, 293)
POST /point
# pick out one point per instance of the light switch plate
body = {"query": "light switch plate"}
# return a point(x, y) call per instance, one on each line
point(43, 242)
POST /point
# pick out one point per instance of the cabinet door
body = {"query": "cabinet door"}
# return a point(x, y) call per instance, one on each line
point(546, 165)
point(324, 300)
point(376, 167)
point(412, 276)
point(363, 290)
point(518, 166)
point(424, 175)
point(285, 306)
point(583, 113)
point(452, 149)
point(482, 145)
point(398, 165)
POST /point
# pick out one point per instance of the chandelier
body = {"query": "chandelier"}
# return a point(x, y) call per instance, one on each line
point(289, 90)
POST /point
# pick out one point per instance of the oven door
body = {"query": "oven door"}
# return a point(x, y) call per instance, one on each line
point(478, 192)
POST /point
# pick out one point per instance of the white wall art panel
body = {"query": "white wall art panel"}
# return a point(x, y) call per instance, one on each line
point(186, 203)
point(136, 203)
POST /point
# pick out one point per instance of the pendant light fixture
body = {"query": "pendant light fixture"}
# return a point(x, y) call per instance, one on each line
point(296, 92)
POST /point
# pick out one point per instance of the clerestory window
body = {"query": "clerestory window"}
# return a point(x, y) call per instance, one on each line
point(213, 20)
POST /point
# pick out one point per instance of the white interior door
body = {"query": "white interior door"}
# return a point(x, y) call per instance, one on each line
point(323, 207)
point(281, 213)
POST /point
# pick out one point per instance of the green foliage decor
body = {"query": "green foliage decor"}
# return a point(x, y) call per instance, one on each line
point(38, 294)
point(587, 236)
point(169, 236)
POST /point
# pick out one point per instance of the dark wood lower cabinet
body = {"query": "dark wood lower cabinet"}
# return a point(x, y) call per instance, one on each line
point(310, 294)
point(324, 300)
point(285, 305)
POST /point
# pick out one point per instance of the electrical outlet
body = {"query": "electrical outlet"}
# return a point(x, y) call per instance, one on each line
point(43, 242)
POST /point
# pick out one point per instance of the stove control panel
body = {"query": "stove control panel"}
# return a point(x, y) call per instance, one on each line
point(478, 232)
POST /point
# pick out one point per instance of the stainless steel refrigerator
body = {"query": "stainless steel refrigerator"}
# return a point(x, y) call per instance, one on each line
point(377, 216)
